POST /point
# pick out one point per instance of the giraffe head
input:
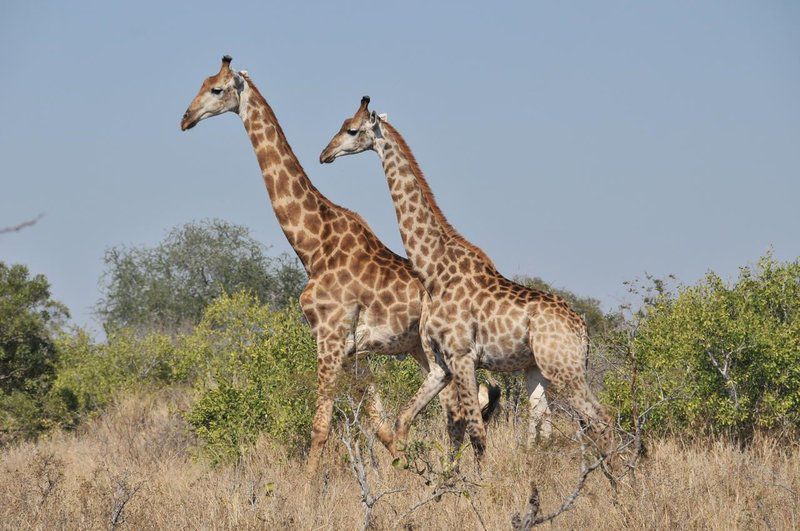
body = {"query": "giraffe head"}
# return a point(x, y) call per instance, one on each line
point(218, 94)
point(357, 134)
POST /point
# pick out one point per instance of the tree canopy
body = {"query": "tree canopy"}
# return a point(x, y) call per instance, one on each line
point(169, 285)
point(28, 318)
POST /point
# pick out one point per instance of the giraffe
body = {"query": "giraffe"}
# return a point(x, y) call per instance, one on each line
point(473, 316)
point(360, 297)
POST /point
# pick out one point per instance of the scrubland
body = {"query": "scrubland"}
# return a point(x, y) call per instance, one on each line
point(135, 466)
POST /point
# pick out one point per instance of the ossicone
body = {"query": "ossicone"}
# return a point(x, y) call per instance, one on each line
point(364, 104)
point(226, 63)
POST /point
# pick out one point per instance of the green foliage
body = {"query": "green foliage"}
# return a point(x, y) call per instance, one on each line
point(167, 287)
point(90, 374)
point(28, 320)
point(396, 381)
point(256, 373)
point(726, 357)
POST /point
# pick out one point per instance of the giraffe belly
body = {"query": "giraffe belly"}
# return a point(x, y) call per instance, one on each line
point(498, 359)
point(384, 340)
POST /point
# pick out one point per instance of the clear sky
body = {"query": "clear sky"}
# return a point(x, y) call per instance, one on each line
point(583, 142)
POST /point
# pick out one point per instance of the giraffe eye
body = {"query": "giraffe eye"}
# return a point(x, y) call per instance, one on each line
point(216, 91)
point(352, 132)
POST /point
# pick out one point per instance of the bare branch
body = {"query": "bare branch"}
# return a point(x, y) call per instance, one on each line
point(124, 493)
point(525, 523)
point(20, 226)
point(353, 430)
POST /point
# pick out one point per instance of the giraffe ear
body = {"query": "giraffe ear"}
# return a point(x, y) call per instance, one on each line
point(383, 117)
point(376, 124)
point(238, 79)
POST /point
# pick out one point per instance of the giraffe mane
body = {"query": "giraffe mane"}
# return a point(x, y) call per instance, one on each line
point(427, 193)
point(330, 204)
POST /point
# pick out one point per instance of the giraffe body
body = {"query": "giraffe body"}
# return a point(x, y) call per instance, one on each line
point(360, 297)
point(473, 317)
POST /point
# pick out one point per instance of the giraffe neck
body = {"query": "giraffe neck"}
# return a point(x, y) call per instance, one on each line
point(425, 231)
point(300, 208)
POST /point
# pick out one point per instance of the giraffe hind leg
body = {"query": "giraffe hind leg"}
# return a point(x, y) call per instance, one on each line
point(463, 369)
point(562, 362)
point(540, 425)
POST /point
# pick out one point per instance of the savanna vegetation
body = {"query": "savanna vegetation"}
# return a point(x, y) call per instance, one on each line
point(195, 408)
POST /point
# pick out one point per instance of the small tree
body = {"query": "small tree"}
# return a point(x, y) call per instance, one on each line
point(728, 354)
point(255, 371)
point(168, 286)
point(28, 321)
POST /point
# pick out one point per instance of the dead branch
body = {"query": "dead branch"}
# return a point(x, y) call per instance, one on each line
point(723, 368)
point(20, 226)
point(124, 492)
point(525, 523)
point(588, 447)
point(353, 430)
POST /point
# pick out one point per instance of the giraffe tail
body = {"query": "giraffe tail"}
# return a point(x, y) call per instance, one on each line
point(489, 398)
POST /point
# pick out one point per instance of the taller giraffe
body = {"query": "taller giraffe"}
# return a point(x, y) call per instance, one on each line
point(361, 297)
point(473, 316)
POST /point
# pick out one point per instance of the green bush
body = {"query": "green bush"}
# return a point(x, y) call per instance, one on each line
point(722, 358)
point(256, 373)
point(29, 319)
point(396, 381)
point(89, 374)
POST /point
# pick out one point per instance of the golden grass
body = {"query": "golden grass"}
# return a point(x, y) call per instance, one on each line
point(139, 452)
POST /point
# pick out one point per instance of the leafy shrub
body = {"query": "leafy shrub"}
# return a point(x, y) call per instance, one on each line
point(256, 372)
point(29, 319)
point(726, 357)
point(397, 381)
point(90, 374)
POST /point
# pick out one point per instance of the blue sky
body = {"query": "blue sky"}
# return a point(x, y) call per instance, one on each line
point(583, 142)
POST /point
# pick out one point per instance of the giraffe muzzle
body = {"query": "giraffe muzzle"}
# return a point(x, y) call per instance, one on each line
point(187, 122)
point(327, 156)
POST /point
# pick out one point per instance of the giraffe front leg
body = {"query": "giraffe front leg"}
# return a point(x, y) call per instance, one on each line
point(436, 379)
point(379, 420)
point(463, 368)
point(329, 365)
point(448, 399)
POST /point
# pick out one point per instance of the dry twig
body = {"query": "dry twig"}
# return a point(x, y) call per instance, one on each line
point(20, 226)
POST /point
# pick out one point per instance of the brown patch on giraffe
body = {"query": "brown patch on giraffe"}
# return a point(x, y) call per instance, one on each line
point(312, 222)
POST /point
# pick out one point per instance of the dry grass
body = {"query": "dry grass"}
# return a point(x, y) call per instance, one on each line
point(134, 467)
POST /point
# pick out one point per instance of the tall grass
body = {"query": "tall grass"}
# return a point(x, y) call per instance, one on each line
point(134, 467)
